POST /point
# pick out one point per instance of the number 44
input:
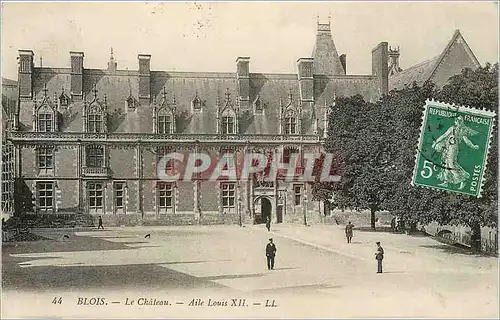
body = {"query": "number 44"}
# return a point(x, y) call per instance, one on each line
point(57, 300)
point(427, 170)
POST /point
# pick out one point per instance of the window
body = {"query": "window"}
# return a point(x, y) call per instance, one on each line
point(165, 195)
point(44, 122)
point(94, 123)
point(164, 124)
point(297, 190)
point(95, 195)
point(46, 158)
point(63, 100)
point(290, 125)
point(119, 191)
point(228, 125)
point(228, 195)
point(45, 195)
point(95, 157)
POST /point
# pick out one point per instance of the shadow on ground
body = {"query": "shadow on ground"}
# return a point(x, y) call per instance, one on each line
point(68, 278)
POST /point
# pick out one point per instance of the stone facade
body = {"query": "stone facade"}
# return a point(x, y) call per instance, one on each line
point(87, 141)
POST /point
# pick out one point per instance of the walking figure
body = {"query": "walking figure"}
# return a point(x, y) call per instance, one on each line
point(379, 256)
point(393, 224)
point(270, 254)
point(100, 226)
point(268, 223)
point(348, 231)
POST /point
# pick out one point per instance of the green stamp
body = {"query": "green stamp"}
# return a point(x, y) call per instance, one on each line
point(453, 148)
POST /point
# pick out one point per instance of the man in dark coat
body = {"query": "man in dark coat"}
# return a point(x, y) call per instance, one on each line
point(348, 231)
point(100, 226)
point(270, 254)
point(379, 256)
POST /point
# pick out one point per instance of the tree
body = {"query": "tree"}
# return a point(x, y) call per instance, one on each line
point(377, 143)
point(358, 134)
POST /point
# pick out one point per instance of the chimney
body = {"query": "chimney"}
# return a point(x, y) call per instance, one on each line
point(394, 61)
point(243, 78)
point(343, 58)
point(306, 80)
point(144, 79)
point(380, 66)
point(76, 75)
point(25, 73)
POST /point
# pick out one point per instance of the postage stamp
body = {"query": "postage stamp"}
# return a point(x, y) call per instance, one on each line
point(453, 148)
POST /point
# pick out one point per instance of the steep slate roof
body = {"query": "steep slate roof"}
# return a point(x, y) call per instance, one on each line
point(183, 87)
point(424, 71)
point(8, 82)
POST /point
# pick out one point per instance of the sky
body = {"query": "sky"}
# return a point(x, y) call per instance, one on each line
point(209, 36)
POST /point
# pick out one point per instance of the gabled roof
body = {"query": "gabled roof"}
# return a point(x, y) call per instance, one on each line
point(424, 71)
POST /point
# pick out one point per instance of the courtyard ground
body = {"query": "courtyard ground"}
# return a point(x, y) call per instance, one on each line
point(317, 274)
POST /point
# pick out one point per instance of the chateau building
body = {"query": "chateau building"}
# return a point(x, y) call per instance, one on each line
point(87, 141)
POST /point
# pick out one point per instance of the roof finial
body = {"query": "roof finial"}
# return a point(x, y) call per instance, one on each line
point(164, 94)
point(62, 89)
point(290, 96)
point(45, 90)
point(317, 19)
point(111, 57)
point(227, 94)
point(329, 19)
point(94, 90)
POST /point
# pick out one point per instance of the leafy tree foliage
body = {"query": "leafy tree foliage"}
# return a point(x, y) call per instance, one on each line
point(377, 143)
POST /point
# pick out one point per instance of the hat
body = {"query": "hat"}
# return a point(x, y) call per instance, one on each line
point(270, 239)
point(378, 242)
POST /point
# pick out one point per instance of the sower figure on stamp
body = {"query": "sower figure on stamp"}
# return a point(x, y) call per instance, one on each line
point(270, 254)
point(348, 231)
point(100, 226)
point(379, 256)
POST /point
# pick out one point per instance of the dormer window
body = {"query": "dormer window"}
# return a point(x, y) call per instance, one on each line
point(196, 103)
point(290, 117)
point(44, 114)
point(258, 106)
point(45, 122)
point(63, 101)
point(164, 115)
point(228, 125)
point(227, 116)
point(95, 114)
point(290, 125)
point(131, 102)
point(164, 123)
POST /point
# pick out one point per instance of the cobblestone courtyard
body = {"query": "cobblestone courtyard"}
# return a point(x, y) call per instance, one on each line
point(317, 274)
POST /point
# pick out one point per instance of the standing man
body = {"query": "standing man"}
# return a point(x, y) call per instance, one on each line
point(270, 253)
point(348, 231)
point(100, 226)
point(379, 255)
point(268, 223)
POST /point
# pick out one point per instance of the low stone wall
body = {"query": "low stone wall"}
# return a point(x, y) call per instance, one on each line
point(358, 218)
point(462, 235)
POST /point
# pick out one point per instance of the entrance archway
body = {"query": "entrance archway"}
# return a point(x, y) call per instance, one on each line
point(266, 208)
